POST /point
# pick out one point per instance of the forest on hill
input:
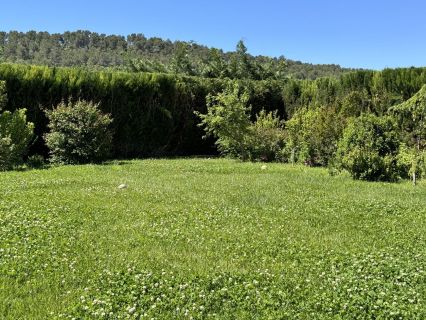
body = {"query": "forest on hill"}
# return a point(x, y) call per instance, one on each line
point(137, 53)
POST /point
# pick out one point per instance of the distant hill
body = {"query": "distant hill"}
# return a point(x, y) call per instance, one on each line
point(139, 53)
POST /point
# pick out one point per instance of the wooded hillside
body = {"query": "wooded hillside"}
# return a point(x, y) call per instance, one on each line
point(139, 53)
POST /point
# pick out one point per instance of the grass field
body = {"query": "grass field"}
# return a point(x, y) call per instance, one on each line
point(209, 239)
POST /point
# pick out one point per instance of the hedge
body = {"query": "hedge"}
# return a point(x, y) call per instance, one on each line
point(153, 113)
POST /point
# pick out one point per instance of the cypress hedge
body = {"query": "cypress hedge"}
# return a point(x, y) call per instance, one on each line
point(154, 113)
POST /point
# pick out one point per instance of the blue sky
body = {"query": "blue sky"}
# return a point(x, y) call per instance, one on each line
point(353, 33)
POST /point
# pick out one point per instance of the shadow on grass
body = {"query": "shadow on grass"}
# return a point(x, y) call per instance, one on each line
point(28, 168)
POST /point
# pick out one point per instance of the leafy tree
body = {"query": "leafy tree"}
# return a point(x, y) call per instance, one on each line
point(15, 135)
point(228, 119)
point(271, 68)
point(369, 149)
point(180, 62)
point(291, 93)
point(411, 116)
point(215, 66)
point(79, 133)
point(313, 135)
point(384, 91)
point(242, 66)
point(412, 162)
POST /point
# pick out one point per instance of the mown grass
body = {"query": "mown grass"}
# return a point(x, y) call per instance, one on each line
point(209, 239)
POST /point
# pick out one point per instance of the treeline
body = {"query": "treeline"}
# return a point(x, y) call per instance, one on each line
point(137, 53)
point(153, 114)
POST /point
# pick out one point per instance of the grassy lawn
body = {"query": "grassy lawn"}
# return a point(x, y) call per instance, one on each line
point(209, 239)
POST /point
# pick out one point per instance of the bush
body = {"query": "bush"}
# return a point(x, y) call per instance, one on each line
point(313, 135)
point(35, 161)
point(78, 133)
point(412, 162)
point(228, 119)
point(411, 116)
point(266, 137)
point(15, 135)
point(369, 149)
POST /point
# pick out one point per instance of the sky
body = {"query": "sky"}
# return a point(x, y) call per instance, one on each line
point(372, 34)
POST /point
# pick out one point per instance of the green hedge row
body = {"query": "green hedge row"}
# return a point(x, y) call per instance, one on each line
point(153, 113)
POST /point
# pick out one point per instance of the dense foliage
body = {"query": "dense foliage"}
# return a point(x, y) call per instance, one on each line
point(138, 53)
point(3, 95)
point(411, 116)
point(228, 120)
point(79, 133)
point(412, 162)
point(267, 137)
point(313, 135)
point(154, 113)
point(15, 136)
point(369, 148)
point(15, 133)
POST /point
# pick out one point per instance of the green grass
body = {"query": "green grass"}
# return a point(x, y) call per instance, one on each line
point(209, 239)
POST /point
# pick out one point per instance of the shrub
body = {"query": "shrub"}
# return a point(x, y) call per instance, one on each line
point(266, 137)
point(78, 133)
point(411, 117)
point(369, 148)
point(412, 162)
point(313, 135)
point(35, 161)
point(355, 103)
point(228, 119)
point(15, 135)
